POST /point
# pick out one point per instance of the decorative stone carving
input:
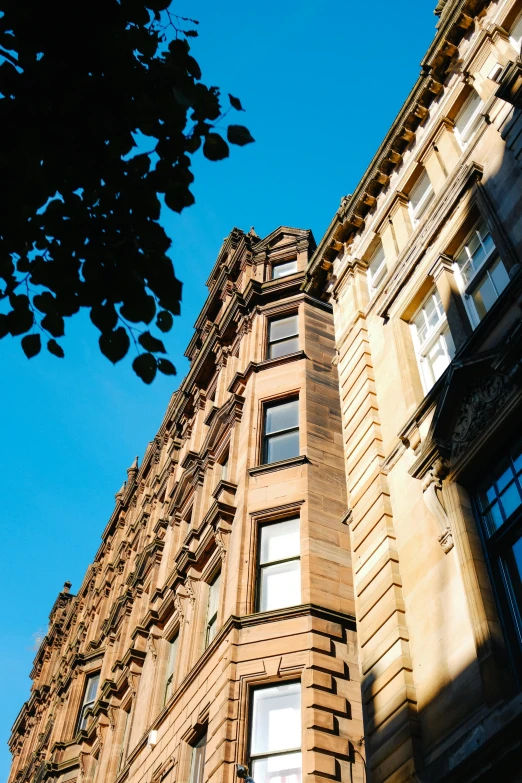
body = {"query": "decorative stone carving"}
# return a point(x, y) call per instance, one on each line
point(478, 409)
point(432, 496)
point(151, 647)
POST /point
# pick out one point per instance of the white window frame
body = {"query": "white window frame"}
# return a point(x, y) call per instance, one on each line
point(279, 264)
point(466, 288)
point(375, 278)
point(271, 342)
point(417, 212)
point(436, 333)
point(87, 703)
point(465, 135)
point(259, 756)
point(262, 567)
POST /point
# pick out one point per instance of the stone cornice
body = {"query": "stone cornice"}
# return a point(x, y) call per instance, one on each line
point(349, 218)
point(282, 464)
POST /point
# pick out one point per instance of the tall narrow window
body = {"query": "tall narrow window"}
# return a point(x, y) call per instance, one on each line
point(282, 270)
point(516, 34)
point(432, 339)
point(171, 663)
point(281, 431)
point(89, 697)
point(211, 625)
point(224, 468)
point(480, 272)
point(283, 336)
point(420, 196)
point(275, 735)
point(468, 118)
point(279, 582)
point(126, 721)
point(499, 503)
point(197, 764)
point(376, 270)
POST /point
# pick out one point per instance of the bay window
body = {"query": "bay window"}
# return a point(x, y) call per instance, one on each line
point(499, 506)
point(468, 118)
point(480, 272)
point(281, 431)
point(275, 737)
point(279, 567)
point(283, 336)
point(420, 196)
point(376, 270)
point(432, 339)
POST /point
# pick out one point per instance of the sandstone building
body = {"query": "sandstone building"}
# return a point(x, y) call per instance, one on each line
point(422, 265)
point(346, 448)
point(216, 623)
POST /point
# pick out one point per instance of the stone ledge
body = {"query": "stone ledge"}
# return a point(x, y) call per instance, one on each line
point(259, 470)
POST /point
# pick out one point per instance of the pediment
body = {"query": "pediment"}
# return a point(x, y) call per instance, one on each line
point(284, 235)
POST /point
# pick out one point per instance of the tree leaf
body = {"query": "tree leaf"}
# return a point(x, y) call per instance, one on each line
point(178, 197)
point(145, 367)
point(104, 316)
point(151, 343)
point(235, 103)
point(166, 367)
point(238, 134)
point(31, 345)
point(45, 302)
point(4, 325)
point(215, 148)
point(20, 320)
point(55, 349)
point(158, 5)
point(53, 323)
point(114, 345)
point(164, 321)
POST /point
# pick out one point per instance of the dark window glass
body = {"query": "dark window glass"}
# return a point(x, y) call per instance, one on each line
point(499, 504)
point(281, 431)
point(282, 270)
point(89, 697)
point(283, 336)
point(197, 766)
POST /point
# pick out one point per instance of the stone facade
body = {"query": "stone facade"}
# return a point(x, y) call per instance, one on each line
point(166, 641)
point(422, 265)
point(355, 404)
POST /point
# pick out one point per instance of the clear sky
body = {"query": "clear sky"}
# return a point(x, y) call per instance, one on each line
point(321, 82)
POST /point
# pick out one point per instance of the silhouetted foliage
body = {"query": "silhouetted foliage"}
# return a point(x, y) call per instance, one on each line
point(101, 108)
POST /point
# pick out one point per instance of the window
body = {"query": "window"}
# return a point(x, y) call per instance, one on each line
point(468, 118)
point(224, 468)
point(282, 270)
point(283, 336)
point(480, 272)
point(420, 196)
point(212, 609)
point(126, 721)
point(499, 504)
point(281, 431)
point(279, 582)
point(197, 765)
point(89, 697)
point(516, 34)
point(376, 270)
point(169, 674)
point(275, 739)
point(432, 339)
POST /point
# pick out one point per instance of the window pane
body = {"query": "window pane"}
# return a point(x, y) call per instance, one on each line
point(278, 769)
point(377, 267)
point(469, 112)
point(280, 586)
point(211, 631)
point(421, 195)
point(484, 297)
point(279, 541)
point(92, 687)
point(198, 761)
point(516, 33)
point(213, 596)
point(276, 718)
point(284, 446)
point(282, 270)
point(281, 417)
point(500, 276)
point(510, 499)
point(284, 347)
point(283, 327)
point(438, 358)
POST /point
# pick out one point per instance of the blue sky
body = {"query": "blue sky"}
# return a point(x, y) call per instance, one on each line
point(321, 82)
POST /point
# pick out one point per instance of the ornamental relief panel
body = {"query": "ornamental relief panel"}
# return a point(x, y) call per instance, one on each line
point(478, 408)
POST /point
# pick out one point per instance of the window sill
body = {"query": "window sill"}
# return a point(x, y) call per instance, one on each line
point(271, 467)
